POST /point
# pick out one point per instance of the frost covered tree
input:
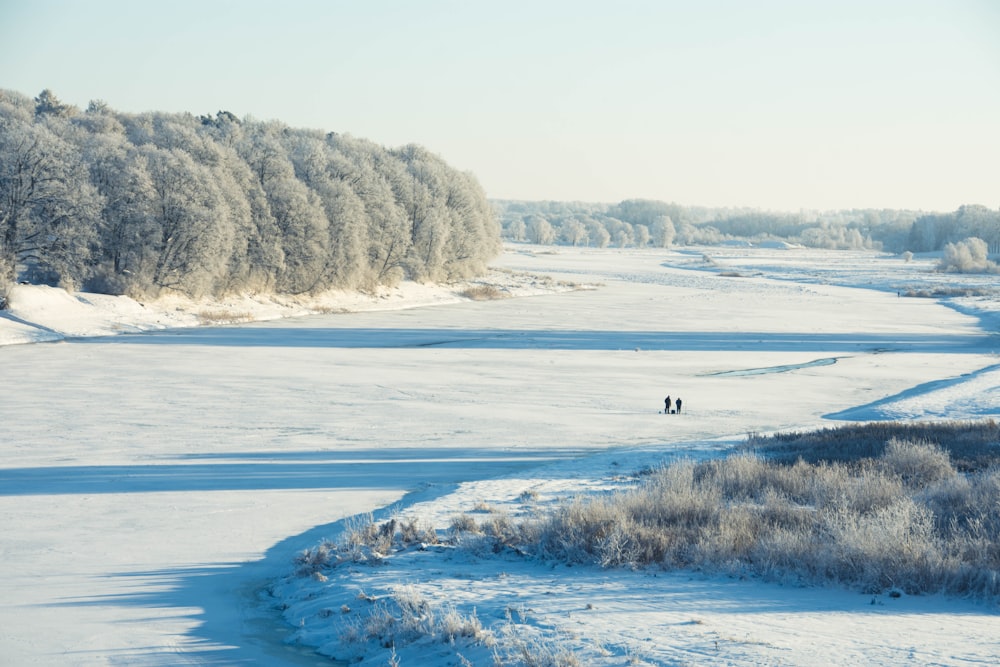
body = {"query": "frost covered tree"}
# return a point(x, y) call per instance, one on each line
point(642, 235)
point(475, 236)
point(967, 256)
point(48, 207)
point(662, 231)
point(572, 232)
point(421, 187)
point(298, 214)
point(540, 230)
point(48, 104)
point(622, 233)
point(598, 235)
point(120, 174)
point(192, 238)
point(516, 230)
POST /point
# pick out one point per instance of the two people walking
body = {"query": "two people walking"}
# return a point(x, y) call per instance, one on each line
point(667, 405)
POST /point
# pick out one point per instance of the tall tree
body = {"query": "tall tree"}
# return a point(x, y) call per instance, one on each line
point(48, 207)
point(299, 216)
point(126, 225)
point(193, 232)
point(662, 231)
point(48, 104)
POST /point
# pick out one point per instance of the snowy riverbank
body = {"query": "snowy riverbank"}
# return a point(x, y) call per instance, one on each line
point(37, 313)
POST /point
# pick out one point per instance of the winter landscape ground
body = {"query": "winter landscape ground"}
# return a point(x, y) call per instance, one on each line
point(160, 475)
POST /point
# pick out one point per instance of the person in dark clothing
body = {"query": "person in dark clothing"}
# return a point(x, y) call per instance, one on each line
point(666, 405)
point(678, 406)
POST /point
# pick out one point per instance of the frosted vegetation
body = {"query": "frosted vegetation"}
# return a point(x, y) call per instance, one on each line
point(879, 507)
point(143, 203)
point(851, 508)
point(882, 508)
point(647, 223)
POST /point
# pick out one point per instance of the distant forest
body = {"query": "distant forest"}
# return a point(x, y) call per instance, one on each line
point(647, 223)
point(145, 203)
point(142, 203)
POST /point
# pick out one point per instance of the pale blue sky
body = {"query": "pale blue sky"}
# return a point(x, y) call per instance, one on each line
point(773, 104)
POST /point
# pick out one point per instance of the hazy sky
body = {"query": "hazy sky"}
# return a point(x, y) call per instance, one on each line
point(771, 104)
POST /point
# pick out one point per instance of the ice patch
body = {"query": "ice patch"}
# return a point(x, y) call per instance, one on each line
point(785, 368)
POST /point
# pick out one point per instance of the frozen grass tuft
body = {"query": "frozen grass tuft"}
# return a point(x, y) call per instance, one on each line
point(464, 523)
point(224, 317)
point(364, 541)
point(484, 293)
point(521, 645)
point(406, 617)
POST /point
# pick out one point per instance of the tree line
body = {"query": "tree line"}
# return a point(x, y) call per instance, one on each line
point(142, 203)
point(650, 223)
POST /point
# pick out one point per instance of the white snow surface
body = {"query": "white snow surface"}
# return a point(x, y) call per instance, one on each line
point(159, 475)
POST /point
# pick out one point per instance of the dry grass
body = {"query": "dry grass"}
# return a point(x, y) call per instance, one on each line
point(904, 517)
point(407, 616)
point(464, 523)
point(866, 506)
point(223, 317)
point(483, 293)
point(946, 292)
point(364, 541)
point(972, 445)
point(520, 645)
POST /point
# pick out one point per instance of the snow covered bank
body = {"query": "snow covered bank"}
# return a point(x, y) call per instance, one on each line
point(37, 313)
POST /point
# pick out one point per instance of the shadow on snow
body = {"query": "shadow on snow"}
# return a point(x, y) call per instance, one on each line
point(236, 620)
point(869, 411)
point(366, 469)
point(547, 339)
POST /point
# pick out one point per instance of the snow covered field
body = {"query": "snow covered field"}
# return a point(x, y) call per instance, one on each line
point(153, 484)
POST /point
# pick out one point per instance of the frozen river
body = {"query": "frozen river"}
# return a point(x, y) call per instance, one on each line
point(151, 484)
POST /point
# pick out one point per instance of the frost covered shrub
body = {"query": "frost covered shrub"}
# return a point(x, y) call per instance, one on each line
point(412, 531)
point(483, 293)
point(916, 463)
point(464, 523)
point(861, 489)
point(502, 528)
point(968, 256)
point(577, 528)
point(311, 561)
point(965, 510)
point(970, 445)
point(893, 546)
